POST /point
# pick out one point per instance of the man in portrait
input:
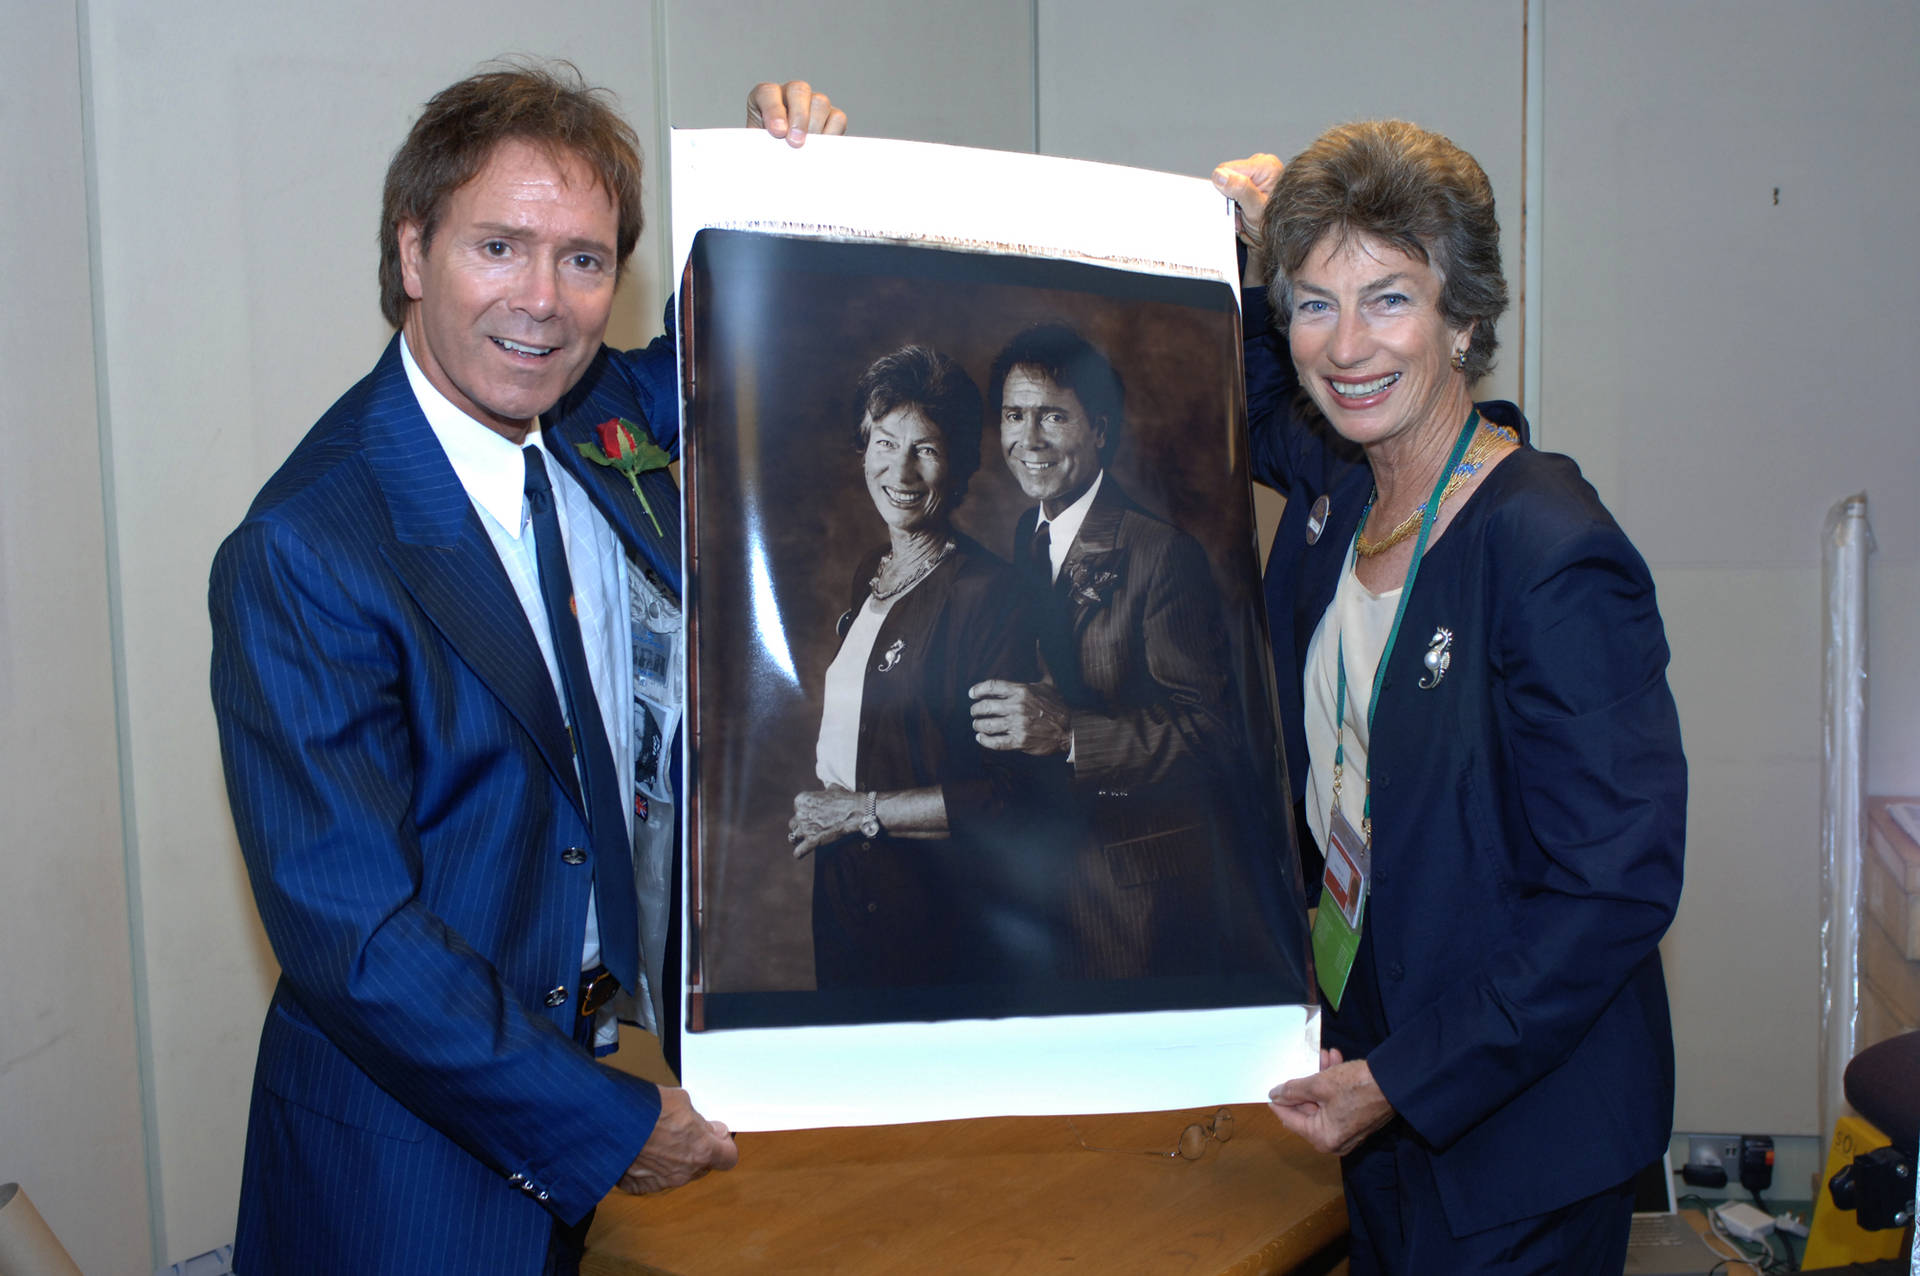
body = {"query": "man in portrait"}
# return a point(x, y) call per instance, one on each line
point(1133, 702)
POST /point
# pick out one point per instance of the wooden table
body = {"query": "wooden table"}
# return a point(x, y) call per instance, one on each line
point(1006, 1195)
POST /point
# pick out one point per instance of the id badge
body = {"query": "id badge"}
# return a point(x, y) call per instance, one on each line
point(1343, 900)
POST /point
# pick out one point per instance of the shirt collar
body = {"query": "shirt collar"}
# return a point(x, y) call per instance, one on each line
point(487, 463)
point(1067, 526)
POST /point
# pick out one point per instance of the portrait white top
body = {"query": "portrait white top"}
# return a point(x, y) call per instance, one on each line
point(1361, 619)
point(836, 756)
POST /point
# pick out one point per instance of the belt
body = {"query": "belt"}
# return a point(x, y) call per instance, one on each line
point(597, 987)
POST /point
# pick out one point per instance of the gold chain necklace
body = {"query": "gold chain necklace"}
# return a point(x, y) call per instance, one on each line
point(1490, 437)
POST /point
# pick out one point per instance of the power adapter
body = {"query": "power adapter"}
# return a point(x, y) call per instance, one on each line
point(1744, 1221)
point(1703, 1175)
point(1756, 1162)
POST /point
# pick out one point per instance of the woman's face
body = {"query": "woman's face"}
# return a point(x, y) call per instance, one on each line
point(906, 467)
point(1371, 345)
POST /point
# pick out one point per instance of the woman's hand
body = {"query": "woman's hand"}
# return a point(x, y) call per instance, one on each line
point(1249, 183)
point(821, 816)
point(1336, 1108)
point(793, 110)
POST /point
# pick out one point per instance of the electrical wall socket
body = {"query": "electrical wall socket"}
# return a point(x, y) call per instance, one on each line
point(1722, 1150)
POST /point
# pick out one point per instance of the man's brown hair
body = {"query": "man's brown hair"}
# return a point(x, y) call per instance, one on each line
point(545, 104)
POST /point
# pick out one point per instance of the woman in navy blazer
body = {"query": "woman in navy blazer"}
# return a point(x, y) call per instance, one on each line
point(1512, 785)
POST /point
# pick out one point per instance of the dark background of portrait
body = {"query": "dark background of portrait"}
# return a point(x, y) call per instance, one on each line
point(775, 332)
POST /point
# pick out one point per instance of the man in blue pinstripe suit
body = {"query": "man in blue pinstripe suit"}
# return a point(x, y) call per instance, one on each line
point(398, 756)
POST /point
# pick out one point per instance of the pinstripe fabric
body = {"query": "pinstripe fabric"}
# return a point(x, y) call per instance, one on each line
point(1135, 641)
point(403, 791)
point(1148, 646)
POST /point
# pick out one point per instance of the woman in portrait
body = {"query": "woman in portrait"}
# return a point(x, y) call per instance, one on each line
point(916, 877)
point(1474, 695)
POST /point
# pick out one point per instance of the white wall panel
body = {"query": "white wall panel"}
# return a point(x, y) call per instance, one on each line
point(70, 1116)
point(954, 71)
point(1182, 87)
point(1725, 367)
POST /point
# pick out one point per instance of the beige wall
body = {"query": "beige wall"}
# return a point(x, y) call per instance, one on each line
point(1726, 368)
point(1723, 367)
point(1181, 87)
point(70, 1110)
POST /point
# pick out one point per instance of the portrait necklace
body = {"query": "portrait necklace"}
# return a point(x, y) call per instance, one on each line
point(913, 575)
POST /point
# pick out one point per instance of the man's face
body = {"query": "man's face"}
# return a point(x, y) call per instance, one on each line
point(1051, 446)
point(511, 298)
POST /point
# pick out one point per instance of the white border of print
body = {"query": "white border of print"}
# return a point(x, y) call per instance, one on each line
point(872, 1074)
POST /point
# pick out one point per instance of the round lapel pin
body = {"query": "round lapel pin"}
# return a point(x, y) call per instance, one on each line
point(1317, 519)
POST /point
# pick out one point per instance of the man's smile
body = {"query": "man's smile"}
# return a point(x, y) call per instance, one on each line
point(515, 347)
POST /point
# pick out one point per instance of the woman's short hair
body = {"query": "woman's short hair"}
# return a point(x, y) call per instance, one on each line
point(1402, 185)
point(545, 104)
point(936, 387)
point(1071, 362)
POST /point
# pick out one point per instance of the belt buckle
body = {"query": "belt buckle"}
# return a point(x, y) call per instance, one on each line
point(597, 987)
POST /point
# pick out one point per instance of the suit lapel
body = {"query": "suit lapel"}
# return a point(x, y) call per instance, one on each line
point(1095, 550)
point(573, 422)
point(446, 561)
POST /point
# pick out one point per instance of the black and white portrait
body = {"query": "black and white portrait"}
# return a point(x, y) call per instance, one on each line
point(984, 719)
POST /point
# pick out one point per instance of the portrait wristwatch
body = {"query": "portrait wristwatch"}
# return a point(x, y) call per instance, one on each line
point(870, 823)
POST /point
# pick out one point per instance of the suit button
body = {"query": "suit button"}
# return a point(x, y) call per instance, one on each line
point(558, 997)
point(1379, 877)
point(516, 1178)
point(543, 1195)
point(872, 907)
point(866, 846)
point(1395, 971)
point(573, 855)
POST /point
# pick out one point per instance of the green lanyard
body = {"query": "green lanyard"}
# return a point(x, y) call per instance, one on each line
point(1427, 516)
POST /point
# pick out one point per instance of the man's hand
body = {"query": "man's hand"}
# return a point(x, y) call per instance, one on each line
point(683, 1146)
point(1026, 716)
point(793, 110)
point(1336, 1108)
point(821, 816)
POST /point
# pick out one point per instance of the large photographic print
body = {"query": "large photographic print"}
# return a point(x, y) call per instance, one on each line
point(983, 739)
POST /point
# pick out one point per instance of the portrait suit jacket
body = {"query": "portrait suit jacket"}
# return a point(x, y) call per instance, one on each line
point(1529, 813)
point(403, 790)
point(1133, 640)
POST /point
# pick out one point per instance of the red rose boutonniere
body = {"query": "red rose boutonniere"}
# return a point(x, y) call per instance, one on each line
point(624, 447)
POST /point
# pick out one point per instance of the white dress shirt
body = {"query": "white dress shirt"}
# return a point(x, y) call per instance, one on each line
point(1067, 526)
point(494, 474)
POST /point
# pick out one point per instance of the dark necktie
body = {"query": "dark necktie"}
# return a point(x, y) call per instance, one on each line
point(614, 895)
point(1040, 557)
